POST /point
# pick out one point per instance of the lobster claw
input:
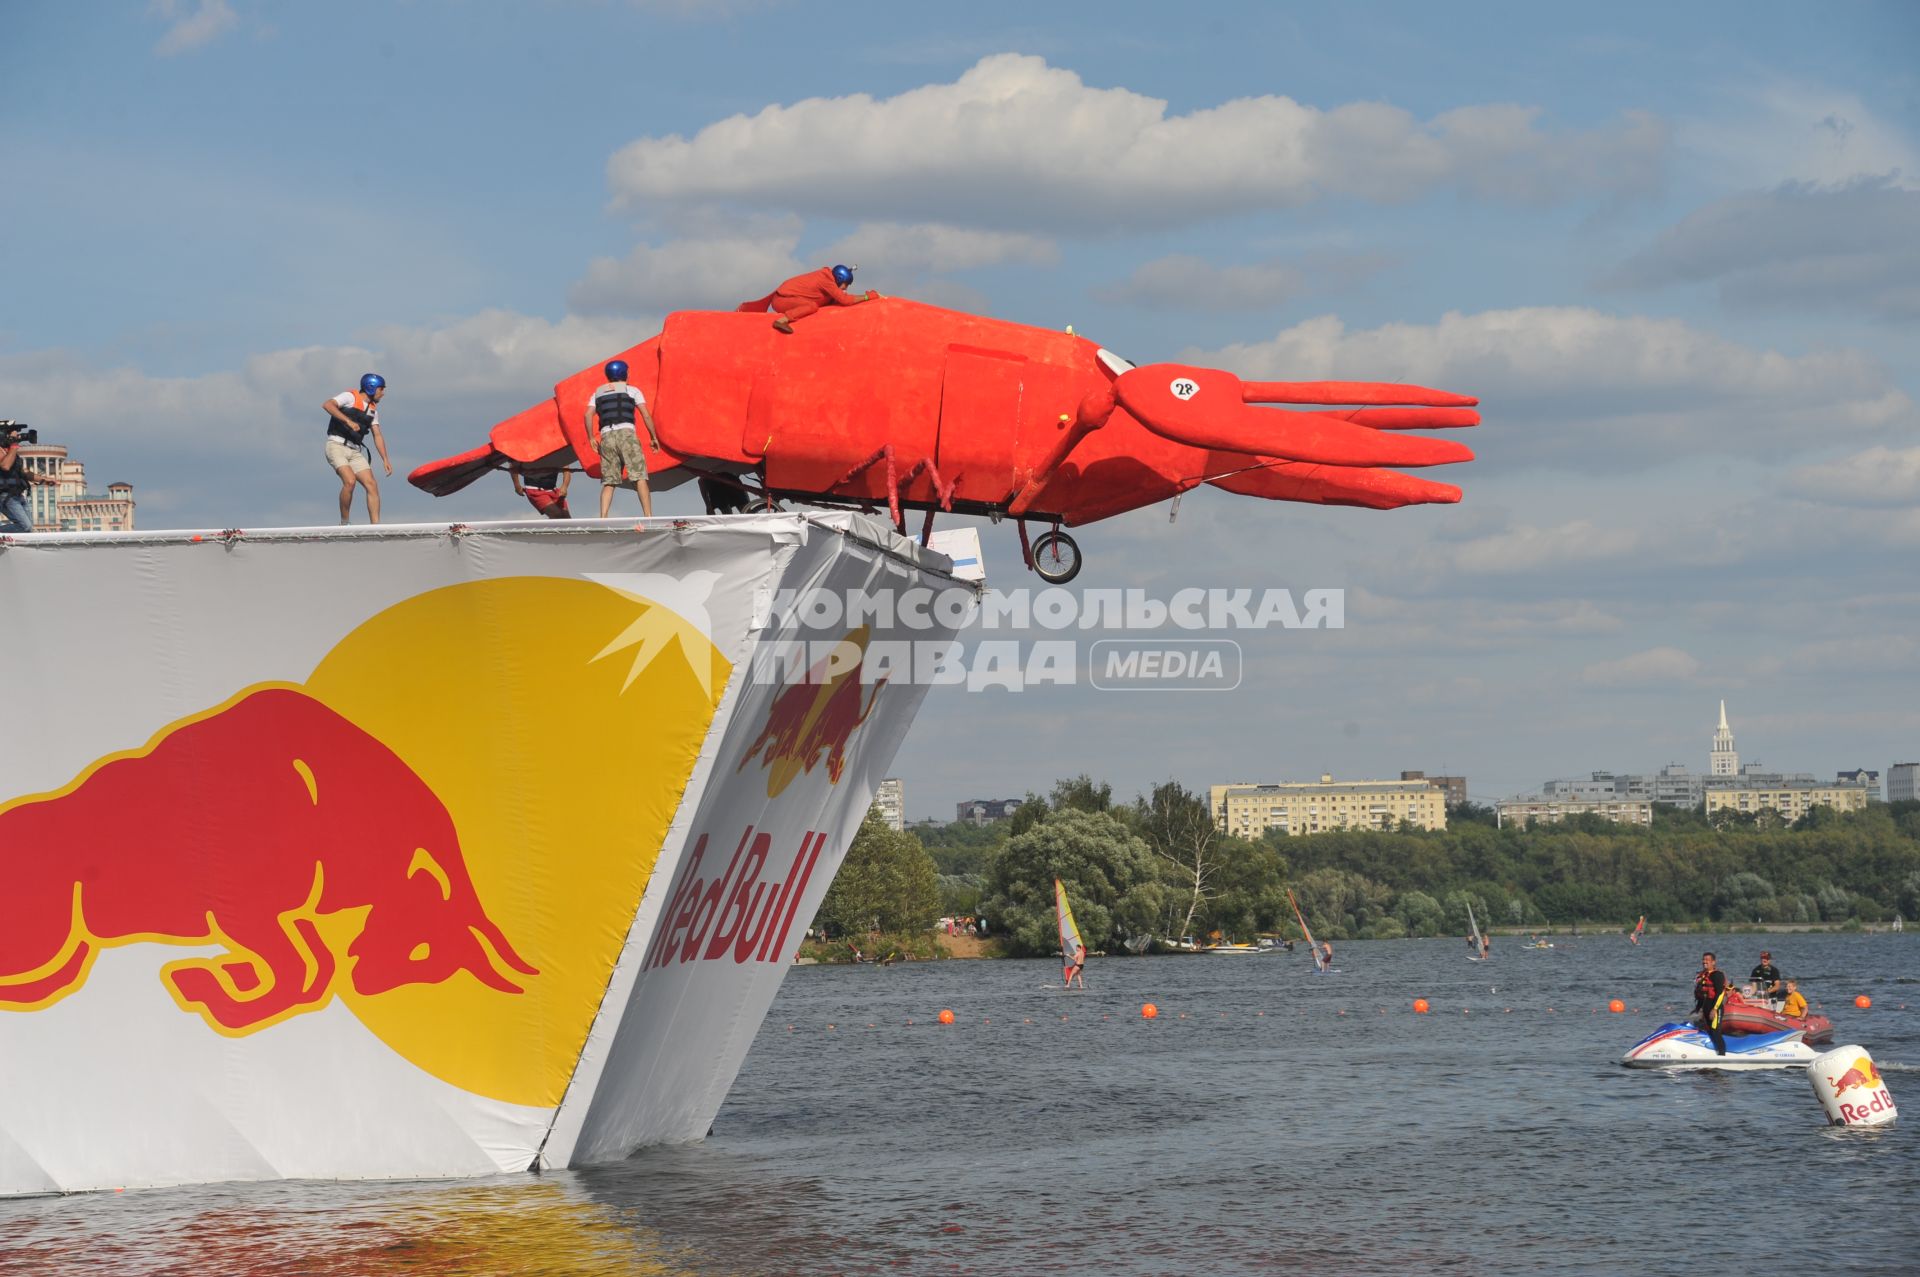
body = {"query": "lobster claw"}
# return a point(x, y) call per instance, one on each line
point(1209, 408)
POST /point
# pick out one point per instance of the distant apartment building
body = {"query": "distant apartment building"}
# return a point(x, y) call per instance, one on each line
point(890, 800)
point(1454, 787)
point(1791, 797)
point(1861, 776)
point(1311, 807)
point(984, 811)
point(1672, 784)
point(1903, 783)
point(1542, 810)
point(65, 505)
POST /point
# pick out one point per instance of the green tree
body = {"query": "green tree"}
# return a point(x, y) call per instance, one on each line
point(1420, 914)
point(1106, 869)
point(887, 882)
point(1027, 815)
point(1178, 825)
point(1082, 793)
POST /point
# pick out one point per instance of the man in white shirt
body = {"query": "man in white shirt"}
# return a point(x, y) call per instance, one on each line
point(612, 413)
point(353, 417)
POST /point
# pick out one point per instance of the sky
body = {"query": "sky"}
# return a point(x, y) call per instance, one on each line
point(1675, 250)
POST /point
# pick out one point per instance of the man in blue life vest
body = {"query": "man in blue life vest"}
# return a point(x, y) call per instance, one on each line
point(353, 417)
point(611, 414)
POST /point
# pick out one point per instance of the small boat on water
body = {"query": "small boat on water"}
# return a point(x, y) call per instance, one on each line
point(1682, 1046)
point(1744, 1017)
point(1229, 947)
point(1184, 944)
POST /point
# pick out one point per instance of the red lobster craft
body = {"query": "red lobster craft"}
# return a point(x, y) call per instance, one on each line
point(931, 409)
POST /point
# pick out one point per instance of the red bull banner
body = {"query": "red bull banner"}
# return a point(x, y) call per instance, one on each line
point(331, 843)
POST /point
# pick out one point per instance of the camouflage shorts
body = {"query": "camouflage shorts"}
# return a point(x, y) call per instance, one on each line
point(622, 458)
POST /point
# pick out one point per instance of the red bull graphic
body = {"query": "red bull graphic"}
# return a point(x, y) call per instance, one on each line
point(1862, 1074)
point(271, 827)
point(735, 915)
point(814, 719)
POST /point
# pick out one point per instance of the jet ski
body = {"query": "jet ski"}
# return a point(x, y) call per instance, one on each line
point(1682, 1046)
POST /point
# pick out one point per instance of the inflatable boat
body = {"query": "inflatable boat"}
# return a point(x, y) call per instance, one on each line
point(1743, 1017)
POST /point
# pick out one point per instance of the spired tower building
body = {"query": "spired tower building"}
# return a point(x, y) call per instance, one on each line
point(1725, 759)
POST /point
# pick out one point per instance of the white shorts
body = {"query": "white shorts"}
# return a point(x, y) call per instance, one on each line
point(352, 455)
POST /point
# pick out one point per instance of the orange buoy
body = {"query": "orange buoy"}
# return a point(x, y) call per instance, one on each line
point(1616, 1006)
point(1863, 1002)
point(946, 1017)
point(1419, 1006)
point(1148, 1010)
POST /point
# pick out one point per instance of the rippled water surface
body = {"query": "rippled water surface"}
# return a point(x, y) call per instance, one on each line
point(1267, 1121)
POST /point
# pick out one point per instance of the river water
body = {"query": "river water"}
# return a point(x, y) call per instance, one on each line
point(1266, 1121)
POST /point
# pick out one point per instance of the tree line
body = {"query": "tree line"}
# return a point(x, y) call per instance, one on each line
point(1157, 866)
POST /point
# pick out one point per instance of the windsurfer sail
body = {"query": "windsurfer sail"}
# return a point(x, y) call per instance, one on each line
point(1639, 929)
point(1073, 954)
point(1477, 941)
point(1319, 959)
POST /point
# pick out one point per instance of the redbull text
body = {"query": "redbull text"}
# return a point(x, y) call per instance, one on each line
point(736, 915)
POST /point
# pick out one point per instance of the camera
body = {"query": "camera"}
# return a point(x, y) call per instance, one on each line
point(12, 432)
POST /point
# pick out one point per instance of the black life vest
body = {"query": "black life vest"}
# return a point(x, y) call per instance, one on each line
point(545, 480)
point(360, 412)
point(616, 406)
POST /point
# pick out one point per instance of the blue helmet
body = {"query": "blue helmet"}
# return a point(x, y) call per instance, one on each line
point(371, 382)
point(843, 275)
point(616, 370)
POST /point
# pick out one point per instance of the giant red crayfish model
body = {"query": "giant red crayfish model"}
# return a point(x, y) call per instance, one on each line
point(931, 409)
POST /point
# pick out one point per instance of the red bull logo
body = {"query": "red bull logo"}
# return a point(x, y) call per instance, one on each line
point(814, 719)
point(735, 915)
point(271, 828)
point(1861, 1074)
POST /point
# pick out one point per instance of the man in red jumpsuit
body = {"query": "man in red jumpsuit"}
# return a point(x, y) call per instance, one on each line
point(804, 294)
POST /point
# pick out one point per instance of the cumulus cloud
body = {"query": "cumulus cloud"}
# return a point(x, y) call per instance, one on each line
point(711, 273)
point(258, 426)
point(1655, 665)
point(1184, 282)
point(1580, 388)
point(1875, 477)
point(1797, 247)
point(1379, 622)
point(1525, 548)
point(900, 247)
point(188, 30)
point(1015, 143)
point(1795, 132)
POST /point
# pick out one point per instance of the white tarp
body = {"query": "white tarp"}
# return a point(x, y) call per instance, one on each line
point(338, 853)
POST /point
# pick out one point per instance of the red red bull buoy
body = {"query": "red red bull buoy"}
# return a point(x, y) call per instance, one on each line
point(946, 1017)
point(1863, 1002)
point(1148, 1010)
point(1616, 1006)
point(1850, 1088)
point(1419, 1006)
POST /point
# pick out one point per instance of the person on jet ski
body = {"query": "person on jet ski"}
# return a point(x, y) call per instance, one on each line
point(1766, 978)
point(1709, 998)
